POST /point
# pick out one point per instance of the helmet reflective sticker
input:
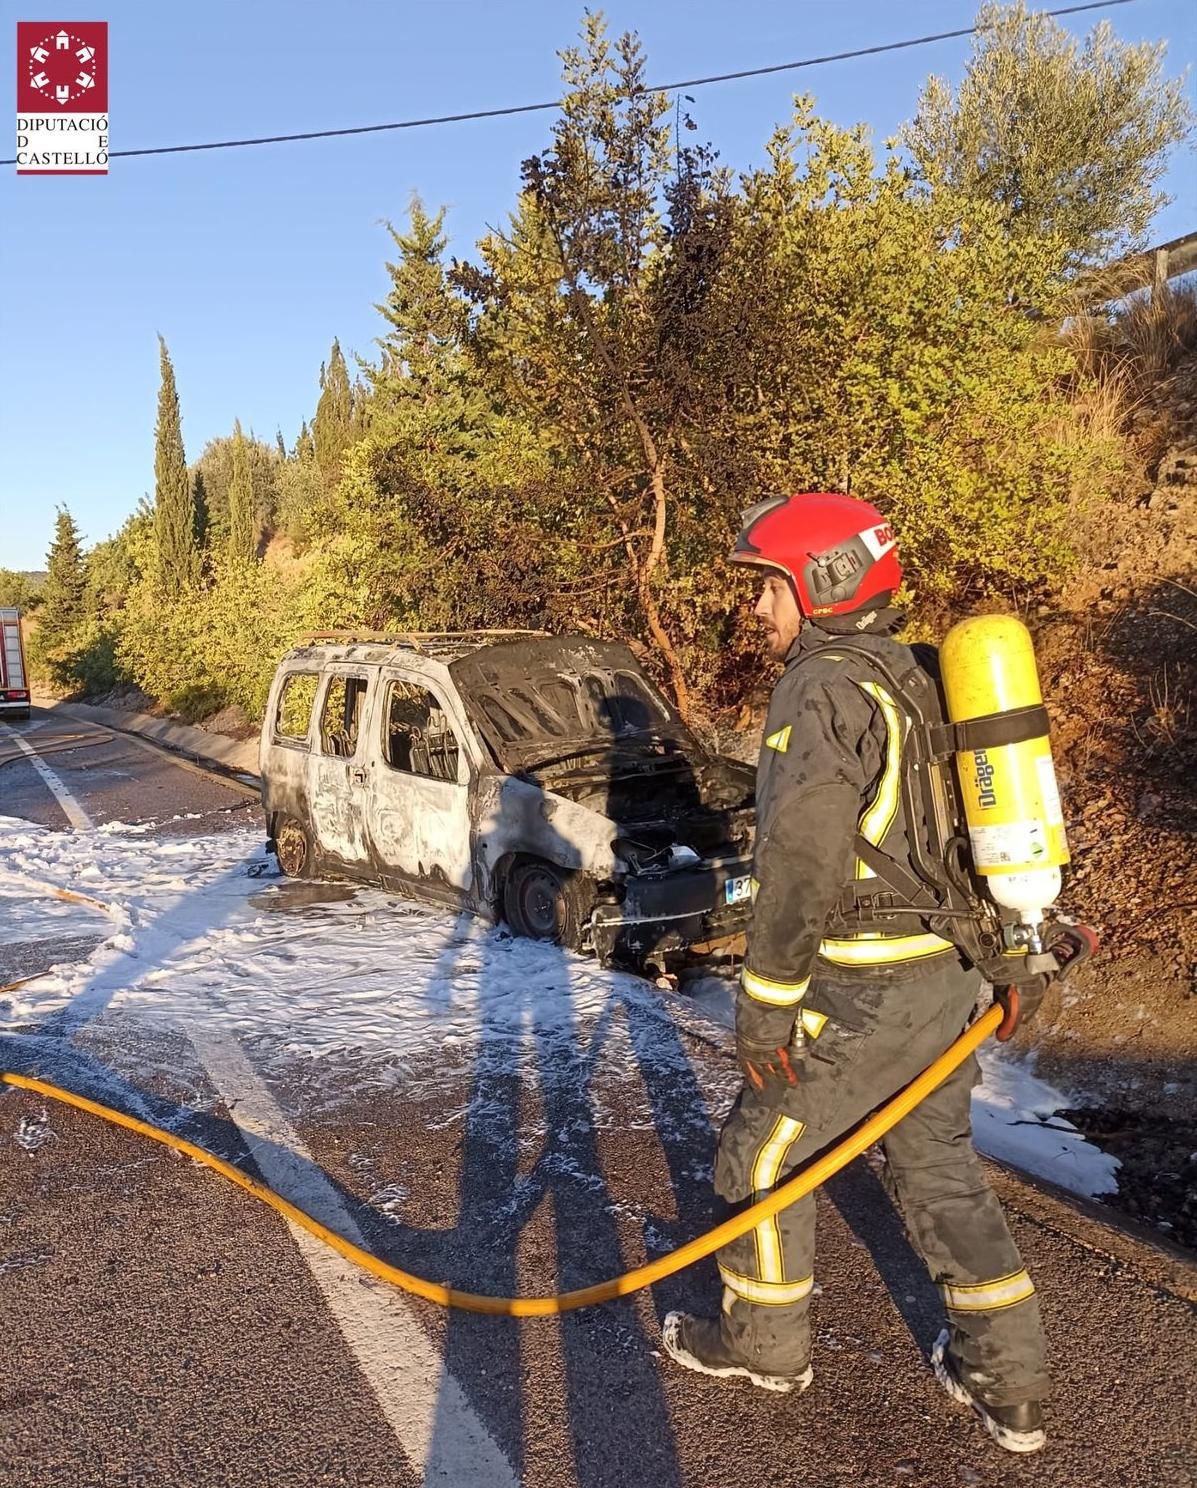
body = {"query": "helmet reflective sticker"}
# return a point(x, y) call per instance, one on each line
point(878, 540)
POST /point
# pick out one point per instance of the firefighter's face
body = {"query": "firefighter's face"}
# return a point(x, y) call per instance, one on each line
point(778, 612)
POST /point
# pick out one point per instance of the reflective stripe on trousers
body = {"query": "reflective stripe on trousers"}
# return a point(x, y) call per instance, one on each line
point(988, 1296)
point(770, 1158)
point(952, 1216)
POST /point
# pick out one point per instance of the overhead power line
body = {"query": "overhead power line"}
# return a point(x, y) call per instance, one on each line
point(534, 108)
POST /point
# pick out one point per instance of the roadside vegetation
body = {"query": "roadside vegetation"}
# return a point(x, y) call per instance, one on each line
point(561, 430)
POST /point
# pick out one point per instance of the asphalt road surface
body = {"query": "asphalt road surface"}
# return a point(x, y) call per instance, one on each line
point(160, 1328)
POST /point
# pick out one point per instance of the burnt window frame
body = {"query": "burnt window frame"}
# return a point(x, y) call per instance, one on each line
point(296, 741)
point(346, 673)
point(462, 778)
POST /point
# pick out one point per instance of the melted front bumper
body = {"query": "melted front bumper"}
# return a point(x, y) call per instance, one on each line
point(671, 911)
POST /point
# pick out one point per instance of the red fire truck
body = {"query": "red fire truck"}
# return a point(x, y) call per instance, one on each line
point(14, 677)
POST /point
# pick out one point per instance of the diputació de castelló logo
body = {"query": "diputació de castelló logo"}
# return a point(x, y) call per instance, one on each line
point(62, 98)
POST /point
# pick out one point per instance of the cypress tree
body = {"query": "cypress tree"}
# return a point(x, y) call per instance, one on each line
point(332, 428)
point(174, 503)
point(62, 594)
point(241, 502)
point(203, 517)
point(423, 339)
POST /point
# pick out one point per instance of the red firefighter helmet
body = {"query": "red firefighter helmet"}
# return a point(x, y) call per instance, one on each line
point(838, 552)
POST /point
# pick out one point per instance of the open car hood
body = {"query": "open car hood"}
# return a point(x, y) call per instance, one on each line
point(558, 700)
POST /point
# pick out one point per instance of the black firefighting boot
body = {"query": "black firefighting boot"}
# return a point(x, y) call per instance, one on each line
point(697, 1343)
point(1018, 1428)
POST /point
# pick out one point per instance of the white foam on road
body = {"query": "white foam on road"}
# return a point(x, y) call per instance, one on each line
point(1015, 1121)
point(357, 990)
point(32, 919)
point(366, 976)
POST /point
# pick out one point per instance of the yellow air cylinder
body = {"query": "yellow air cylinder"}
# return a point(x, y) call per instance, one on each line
point(1009, 793)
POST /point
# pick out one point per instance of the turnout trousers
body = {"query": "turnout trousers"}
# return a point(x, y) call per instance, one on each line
point(877, 1030)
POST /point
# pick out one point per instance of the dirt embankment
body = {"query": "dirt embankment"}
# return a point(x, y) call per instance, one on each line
point(1118, 658)
point(231, 722)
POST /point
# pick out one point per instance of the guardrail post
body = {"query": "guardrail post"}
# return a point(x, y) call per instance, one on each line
point(1159, 277)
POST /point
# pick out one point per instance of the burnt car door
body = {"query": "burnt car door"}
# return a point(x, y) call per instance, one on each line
point(337, 771)
point(285, 743)
point(418, 809)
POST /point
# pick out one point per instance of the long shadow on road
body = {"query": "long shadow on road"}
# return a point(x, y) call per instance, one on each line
point(617, 1419)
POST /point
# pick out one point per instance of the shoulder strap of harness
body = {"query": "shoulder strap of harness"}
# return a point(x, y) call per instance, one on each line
point(938, 890)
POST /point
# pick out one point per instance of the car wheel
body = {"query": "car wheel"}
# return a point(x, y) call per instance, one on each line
point(544, 902)
point(293, 848)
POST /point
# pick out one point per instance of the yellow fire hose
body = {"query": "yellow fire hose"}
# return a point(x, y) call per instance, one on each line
point(620, 1286)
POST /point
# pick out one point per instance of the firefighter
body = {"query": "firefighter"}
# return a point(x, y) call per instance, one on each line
point(833, 1017)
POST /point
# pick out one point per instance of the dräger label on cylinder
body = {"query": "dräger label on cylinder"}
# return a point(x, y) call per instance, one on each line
point(983, 778)
point(1009, 845)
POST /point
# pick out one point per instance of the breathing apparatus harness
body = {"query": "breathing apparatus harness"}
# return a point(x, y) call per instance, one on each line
point(940, 885)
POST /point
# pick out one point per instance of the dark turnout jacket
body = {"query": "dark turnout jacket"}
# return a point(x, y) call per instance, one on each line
point(830, 767)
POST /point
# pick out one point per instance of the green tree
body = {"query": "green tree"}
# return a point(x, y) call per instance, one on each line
point(62, 607)
point(203, 516)
point(567, 322)
point(563, 433)
point(116, 566)
point(174, 500)
point(242, 542)
point(1070, 140)
point(215, 468)
point(876, 351)
point(442, 514)
point(17, 589)
point(426, 394)
point(301, 489)
point(333, 427)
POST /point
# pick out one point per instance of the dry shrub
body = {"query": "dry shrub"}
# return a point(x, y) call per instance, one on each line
point(1159, 329)
point(1133, 336)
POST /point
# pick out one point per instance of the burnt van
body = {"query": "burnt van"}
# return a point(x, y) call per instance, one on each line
point(542, 780)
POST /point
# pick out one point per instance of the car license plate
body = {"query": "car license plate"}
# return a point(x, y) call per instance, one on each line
point(737, 890)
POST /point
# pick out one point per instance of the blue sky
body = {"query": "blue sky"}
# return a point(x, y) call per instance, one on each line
point(250, 261)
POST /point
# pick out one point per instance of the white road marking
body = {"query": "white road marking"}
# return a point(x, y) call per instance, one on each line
point(437, 1427)
point(75, 813)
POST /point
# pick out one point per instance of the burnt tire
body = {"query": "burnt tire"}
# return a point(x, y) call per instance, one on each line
point(293, 848)
point(544, 902)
